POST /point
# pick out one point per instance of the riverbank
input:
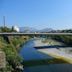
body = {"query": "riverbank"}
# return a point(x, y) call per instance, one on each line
point(57, 54)
point(56, 49)
point(11, 49)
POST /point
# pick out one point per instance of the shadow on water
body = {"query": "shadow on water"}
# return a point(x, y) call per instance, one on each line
point(52, 46)
point(43, 61)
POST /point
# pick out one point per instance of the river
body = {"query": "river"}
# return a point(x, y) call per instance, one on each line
point(28, 52)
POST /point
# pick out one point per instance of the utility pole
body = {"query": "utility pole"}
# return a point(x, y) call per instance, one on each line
point(4, 21)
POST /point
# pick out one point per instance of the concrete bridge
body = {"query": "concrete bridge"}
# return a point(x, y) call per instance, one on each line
point(32, 34)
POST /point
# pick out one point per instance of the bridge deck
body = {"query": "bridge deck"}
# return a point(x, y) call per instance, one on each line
point(13, 33)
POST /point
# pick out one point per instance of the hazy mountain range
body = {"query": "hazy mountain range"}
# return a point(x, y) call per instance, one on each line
point(33, 30)
point(29, 29)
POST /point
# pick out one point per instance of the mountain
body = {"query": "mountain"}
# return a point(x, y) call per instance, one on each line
point(28, 29)
point(32, 30)
point(46, 30)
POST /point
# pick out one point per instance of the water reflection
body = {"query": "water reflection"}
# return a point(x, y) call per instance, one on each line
point(28, 52)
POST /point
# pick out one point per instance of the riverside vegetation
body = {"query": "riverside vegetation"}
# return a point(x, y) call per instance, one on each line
point(11, 45)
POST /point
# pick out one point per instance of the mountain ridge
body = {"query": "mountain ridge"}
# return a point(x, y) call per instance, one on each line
point(30, 29)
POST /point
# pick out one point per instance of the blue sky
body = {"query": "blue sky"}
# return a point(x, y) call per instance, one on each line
point(56, 14)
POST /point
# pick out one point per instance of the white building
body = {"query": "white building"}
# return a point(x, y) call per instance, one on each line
point(16, 28)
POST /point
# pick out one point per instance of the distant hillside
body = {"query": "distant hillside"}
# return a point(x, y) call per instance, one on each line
point(46, 30)
point(32, 30)
point(27, 29)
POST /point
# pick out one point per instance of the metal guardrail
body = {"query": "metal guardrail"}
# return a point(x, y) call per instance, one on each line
point(11, 34)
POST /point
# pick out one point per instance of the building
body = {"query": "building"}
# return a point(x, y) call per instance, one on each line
point(16, 28)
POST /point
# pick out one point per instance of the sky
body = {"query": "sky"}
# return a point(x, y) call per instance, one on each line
point(55, 14)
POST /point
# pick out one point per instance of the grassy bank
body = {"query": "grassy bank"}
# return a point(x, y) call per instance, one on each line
point(11, 49)
point(67, 39)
